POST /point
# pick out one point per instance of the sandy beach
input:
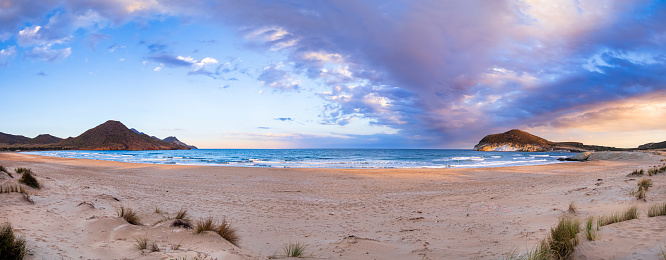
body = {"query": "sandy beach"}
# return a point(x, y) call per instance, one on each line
point(482, 213)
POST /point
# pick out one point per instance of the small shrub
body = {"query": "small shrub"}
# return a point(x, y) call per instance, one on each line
point(141, 243)
point(293, 249)
point(29, 180)
point(181, 223)
point(645, 183)
point(204, 225)
point(637, 173)
point(129, 215)
point(640, 193)
point(228, 232)
point(11, 246)
point(657, 210)
point(589, 231)
point(563, 238)
point(22, 170)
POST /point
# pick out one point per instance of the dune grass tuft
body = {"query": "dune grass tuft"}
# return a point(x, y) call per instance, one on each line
point(141, 243)
point(228, 232)
point(645, 183)
point(11, 246)
point(572, 207)
point(563, 238)
point(28, 179)
point(154, 247)
point(204, 225)
point(590, 233)
point(182, 214)
point(657, 210)
point(129, 215)
point(293, 249)
point(629, 214)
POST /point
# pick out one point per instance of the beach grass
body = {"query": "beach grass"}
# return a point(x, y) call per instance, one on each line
point(129, 215)
point(590, 233)
point(293, 249)
point(206, 224)
point(11, 246)
point(629, 214)
point(657, 210)
point(28, 179)
point(563, 238)
point(228, 232)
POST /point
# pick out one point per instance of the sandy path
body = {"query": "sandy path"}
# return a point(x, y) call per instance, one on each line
point(339, 214)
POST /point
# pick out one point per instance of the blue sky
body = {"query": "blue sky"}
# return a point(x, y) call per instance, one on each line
point(312, 74)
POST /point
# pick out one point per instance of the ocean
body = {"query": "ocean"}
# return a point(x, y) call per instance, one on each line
point(322, 158)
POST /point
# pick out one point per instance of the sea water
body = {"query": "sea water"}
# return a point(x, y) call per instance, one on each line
point(322, 158)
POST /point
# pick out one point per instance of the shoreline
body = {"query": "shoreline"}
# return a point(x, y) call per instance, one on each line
point(339, 213)
point(393, 159)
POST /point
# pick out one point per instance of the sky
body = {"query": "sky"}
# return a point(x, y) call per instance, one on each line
point(336, 74)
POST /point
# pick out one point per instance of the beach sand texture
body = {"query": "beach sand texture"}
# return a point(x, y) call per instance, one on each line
point(483, 213)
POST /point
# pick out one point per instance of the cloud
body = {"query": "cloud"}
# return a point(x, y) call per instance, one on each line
point(263, 127)
point(41, 73)
point(275, 77)
point(95, 38)
point(283, 119)
point(45, 53)
point(6, 55)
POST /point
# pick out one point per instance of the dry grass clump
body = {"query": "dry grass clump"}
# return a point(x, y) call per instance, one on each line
point(28, 179)
point(228, 232)
point(182, 214)
point(11, 246)
point(141, 243)
point(154, 247)
point(129, 215)
point(225, 230)
point(204, 225)
point(629, 214)
point(657, 210)
point(645, 183)
point(12, 188)
point(572, 207)
point(640, 172)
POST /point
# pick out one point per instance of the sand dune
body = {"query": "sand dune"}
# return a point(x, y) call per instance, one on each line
point(339, 214)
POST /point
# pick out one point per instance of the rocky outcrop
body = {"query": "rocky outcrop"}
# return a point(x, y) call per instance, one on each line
point(514, 140)
point(174, 140)
point(521, 141)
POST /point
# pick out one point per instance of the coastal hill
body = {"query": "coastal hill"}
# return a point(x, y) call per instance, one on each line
point(114, 135)
point(517, 140)
point(111, 135)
